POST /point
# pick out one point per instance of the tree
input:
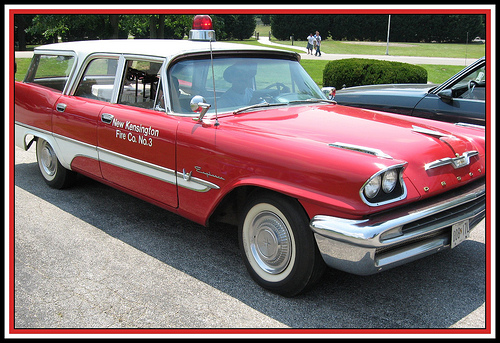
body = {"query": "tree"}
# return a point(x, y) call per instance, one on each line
point(242, 26)
point(157, 26)
point(21, 23)
point(233, 26)
point(177, 26)
point(265, 18)
point(285, 25)
point(70, 27)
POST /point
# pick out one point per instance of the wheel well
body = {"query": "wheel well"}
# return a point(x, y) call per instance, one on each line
point(229, 209)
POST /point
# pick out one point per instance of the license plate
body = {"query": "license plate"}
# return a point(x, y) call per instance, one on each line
point(459, 233)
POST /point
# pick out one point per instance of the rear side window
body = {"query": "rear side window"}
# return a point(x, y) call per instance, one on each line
point(140, 84)
point(50, 71)
point(98, 79)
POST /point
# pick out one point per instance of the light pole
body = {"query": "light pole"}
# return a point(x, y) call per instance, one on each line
point(388, 30)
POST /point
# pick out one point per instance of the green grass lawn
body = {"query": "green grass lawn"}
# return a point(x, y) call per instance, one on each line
point(436, 73)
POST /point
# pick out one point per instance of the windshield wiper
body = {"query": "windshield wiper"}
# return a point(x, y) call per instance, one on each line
point(313, 100)
point(266, 104)
point(262, 104)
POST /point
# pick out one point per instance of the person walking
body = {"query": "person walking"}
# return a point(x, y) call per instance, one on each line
point(310, 43)
point(317, 37)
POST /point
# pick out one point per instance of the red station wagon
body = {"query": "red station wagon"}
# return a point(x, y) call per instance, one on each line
point(225, 132)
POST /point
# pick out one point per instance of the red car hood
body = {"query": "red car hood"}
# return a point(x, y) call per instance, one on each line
point(417, 143)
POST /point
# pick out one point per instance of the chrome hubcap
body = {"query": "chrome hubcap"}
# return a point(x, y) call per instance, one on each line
point(48, 160)
point(270, 242)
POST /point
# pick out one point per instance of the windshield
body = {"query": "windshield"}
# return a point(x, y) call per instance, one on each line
point(239, 82)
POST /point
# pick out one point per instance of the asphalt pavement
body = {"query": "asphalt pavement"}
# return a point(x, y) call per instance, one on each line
point(92, 257)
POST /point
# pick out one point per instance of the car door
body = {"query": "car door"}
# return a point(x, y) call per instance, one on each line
point(76, 114)
point(136, 139)
point(454, 111)
point(460, 99)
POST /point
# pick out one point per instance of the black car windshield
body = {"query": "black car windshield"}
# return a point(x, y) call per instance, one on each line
point(238, 82)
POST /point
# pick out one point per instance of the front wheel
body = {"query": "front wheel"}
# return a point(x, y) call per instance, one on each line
point(278, 247)
point(54, 174)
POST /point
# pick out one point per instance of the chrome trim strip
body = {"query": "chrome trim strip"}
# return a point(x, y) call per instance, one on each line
point(68, 148)
point(482, 127)
point(136, 165)
point(429, 132)
point(194, 183)
point(155, 171)
point(358, 148)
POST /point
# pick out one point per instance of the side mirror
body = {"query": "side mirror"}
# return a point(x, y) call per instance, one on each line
point(198, 104)
point(329, 92)
point(446, 95)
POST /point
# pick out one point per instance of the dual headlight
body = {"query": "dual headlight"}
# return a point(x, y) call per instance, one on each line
point(384, 187)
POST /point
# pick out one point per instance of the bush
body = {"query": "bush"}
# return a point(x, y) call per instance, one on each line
point(358, 71)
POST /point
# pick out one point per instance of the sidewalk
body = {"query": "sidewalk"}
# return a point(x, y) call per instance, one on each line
point(23, 54)
point(406, 59)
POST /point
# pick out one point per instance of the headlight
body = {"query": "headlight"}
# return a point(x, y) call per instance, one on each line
point(373, 187)
point(384, 187)
point(389, 180)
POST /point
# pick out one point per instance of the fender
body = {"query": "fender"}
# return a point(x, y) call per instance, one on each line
point(65, 148)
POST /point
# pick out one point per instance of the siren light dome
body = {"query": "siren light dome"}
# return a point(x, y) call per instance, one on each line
point(202, 29)
point(202, 22)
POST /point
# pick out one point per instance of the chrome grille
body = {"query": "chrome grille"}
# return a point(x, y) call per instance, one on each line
point(439, 224)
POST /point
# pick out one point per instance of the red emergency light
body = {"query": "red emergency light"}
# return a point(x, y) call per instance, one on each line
point(202, 22)
point(202, 29)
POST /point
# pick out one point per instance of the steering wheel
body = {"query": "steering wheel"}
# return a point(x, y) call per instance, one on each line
point(469, 94)
point(471, 85)
point(280, 87)
point(269, 93)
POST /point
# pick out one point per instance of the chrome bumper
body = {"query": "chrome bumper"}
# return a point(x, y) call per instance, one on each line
point(387, 240)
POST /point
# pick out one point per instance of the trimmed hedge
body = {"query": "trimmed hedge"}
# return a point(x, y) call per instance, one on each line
point(360, 71)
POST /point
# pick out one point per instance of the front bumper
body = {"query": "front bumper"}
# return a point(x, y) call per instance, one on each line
point(393, 238)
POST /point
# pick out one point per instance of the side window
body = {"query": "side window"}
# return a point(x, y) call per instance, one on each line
point(50, 71)
point(140, 84)
point(160, 99)
point(98, 79)
point(181, 86)
point(472, 86)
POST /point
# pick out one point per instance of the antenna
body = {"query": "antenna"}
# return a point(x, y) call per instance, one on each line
point(213, 82)
point(202, 31)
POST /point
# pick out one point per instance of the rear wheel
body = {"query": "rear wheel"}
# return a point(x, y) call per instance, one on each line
point(54, 174)
point(278, 247)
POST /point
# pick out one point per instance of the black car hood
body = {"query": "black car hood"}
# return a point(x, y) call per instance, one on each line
point(398, 98)
point(420, 88)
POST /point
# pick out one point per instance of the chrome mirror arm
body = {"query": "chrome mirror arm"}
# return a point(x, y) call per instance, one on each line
point(198, 104)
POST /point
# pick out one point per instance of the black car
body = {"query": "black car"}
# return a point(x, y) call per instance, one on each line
point(461, 99)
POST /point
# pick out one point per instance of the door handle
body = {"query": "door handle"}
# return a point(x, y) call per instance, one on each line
point(60, 107)
point(107, 118)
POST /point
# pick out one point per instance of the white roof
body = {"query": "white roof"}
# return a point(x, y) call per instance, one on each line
point(167, 48)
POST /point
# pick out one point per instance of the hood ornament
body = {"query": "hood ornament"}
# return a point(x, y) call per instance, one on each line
point(456, 162)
